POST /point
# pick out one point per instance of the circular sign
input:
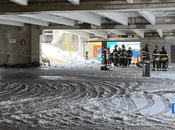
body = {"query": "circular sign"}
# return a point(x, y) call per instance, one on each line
point(23, 42)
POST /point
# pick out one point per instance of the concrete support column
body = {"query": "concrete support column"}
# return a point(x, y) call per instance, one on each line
point(81, 48)
point(104, 44)
point(35, 43)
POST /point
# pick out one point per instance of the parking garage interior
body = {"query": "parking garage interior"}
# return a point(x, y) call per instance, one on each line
point(47, 83)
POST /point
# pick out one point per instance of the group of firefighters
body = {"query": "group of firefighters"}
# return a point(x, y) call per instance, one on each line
point(120, 57)
point(160, 58)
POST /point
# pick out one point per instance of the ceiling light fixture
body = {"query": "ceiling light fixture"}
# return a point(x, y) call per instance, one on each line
point(167, 19)
point(80, 22)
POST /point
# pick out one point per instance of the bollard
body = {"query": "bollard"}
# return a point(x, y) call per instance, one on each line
point(146, 68)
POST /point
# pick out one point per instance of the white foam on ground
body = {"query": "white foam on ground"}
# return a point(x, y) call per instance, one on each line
point(156, 108)
point(152, 87)
point(138, 99)
point(170, 74)
point(171, 98)
point(103, 108)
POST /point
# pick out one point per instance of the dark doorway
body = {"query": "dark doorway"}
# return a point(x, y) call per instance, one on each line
point(172, 53)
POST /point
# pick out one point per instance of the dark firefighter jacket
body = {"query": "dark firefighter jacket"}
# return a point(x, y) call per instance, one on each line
point(145, 53)
point(107, 54)
point(156, 55)
point(129, 54)
point(115, 53)
point(163, 55)
point(111, 55)
point(104, 54)
point(119, 52)
point(123, 54)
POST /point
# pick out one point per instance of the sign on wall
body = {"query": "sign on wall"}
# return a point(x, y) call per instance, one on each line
point(126, 36)
point(12, 41)
point(23, 42)
point(94, 50)
point(97, 50)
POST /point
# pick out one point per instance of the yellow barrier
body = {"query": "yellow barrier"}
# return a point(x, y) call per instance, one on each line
point(6, 53)
point(59, 61)
point(67, 42)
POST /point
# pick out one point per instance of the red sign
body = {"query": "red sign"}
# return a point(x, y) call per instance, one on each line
point(23, 42)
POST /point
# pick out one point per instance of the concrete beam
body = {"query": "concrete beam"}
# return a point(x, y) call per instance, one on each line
point(118, 32)
point(161, 26)
point(139, 32)
point(148, 16)
point(98, 33)
point(160, 32)
point(80, 33)
point(115, 16)
point(20, 2)
point(51, 18)
point(75, 2)
point(113, 27)
point(130, 1)
point(24, 20)
point(86, 17)
point(12, 23)
point(107, 5)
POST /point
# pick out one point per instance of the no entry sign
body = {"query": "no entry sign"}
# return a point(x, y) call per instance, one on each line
point(23, 42)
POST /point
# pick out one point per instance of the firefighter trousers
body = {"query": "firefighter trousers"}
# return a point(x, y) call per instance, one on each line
point(164, 65)
point(156, 64)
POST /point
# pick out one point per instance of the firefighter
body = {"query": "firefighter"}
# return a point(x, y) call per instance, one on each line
point(86, 58)
point(164, 59)
point(129, 56)
point(123, 56)
point(111, 58)
point(115, 56)
point(108, 57)
point(104, 56)
point(145, 53)
point(119, 58)
point(156, 57)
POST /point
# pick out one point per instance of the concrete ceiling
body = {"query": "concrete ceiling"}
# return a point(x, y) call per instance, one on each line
point(20, 2)
point(100, 18)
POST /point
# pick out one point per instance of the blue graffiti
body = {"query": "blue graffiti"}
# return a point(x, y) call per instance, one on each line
point(135, 53)
point(172, 107)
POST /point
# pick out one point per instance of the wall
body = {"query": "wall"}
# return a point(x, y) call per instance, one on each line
point(81, 47)
point(60, 41)
point(161, 42)
point(89, 48)
point(35, 43)
point(14, 53)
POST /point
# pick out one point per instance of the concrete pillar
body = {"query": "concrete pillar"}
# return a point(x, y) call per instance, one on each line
point(104, 44)
point(81, 48)
point(35, 43)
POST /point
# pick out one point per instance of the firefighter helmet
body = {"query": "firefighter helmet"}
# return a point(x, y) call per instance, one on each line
point(163, 47)
point(156, 46)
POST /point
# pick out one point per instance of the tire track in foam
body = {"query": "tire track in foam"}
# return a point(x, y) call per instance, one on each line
point(157, 107)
